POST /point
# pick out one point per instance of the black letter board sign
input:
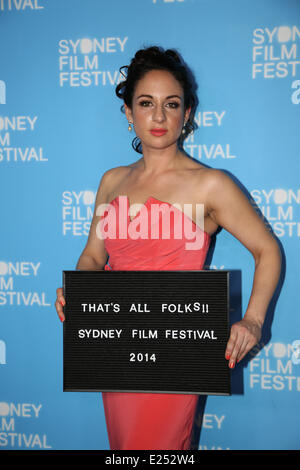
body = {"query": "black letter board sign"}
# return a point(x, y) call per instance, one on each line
point(146, 331)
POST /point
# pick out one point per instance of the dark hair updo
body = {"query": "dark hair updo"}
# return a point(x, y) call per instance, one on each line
point(156, 58)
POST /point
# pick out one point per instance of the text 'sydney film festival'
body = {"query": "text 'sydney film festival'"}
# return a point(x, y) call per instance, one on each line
point(63, 130)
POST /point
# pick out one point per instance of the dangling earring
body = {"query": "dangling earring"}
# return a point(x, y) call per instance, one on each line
point(130, 126)
point(183, 129)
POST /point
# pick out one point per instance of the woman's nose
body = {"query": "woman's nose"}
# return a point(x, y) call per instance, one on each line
point(158, 114)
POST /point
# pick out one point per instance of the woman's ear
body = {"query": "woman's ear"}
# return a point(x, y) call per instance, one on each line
point(128, 112)
point(187, 114)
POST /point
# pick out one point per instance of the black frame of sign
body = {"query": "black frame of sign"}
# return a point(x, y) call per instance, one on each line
point(146, 331)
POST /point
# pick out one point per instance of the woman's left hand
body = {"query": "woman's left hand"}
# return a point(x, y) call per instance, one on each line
point(244, 335)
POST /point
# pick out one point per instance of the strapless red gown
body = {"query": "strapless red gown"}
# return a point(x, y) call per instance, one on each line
point(151, 421)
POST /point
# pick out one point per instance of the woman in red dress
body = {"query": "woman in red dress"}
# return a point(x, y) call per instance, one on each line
point(159, 103)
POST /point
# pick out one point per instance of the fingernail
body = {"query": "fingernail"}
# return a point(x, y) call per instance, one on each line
point(227, 356)
point(231, 364)
point(62, 303)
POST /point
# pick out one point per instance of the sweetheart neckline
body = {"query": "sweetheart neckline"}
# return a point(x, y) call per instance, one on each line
point(158, 200)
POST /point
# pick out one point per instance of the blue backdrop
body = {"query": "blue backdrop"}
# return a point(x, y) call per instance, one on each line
point(61, 128)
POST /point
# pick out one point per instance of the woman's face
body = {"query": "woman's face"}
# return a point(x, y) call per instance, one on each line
point(157, 110)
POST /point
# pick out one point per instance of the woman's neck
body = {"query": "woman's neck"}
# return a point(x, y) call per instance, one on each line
point(158, 161)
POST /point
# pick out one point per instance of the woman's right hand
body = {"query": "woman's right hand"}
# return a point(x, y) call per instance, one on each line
point(59, 303)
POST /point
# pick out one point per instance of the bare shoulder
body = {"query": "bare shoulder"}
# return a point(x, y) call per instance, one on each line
point(216, 188)
point(216, 181)
point(115, 174)
point(109, 176)
point(110, 179)
point(213, 175)
point(207, 178)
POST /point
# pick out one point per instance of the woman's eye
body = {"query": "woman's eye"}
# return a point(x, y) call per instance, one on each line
point(173, 104)
point(145, 103)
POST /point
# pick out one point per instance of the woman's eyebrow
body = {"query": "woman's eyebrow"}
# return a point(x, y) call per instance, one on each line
point(173, 96)
point(167, 97)
point(148, 96)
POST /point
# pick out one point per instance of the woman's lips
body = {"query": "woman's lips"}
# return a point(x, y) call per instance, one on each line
point(158, 132)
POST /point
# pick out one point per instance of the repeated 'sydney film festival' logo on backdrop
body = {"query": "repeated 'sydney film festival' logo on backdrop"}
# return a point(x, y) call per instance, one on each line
point(280, 207)
point(11, 272)
point(87, 62)
point(12, 130)
point(275, 366)
point(275, 52)
point(13, 416)
point(77, 212)
point(211, 422)
point(21, 5)
point(216, 151)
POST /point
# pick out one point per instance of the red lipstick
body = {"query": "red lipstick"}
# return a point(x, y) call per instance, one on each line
point(158, 132)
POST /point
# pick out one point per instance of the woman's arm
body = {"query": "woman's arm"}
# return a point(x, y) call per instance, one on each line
point(230, 208)
point(94, 255)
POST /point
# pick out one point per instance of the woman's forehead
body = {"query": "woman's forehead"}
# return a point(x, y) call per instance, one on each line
point(158, 82)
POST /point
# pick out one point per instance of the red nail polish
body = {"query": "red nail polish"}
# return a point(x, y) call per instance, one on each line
point(227, 356)
point(231, 365)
